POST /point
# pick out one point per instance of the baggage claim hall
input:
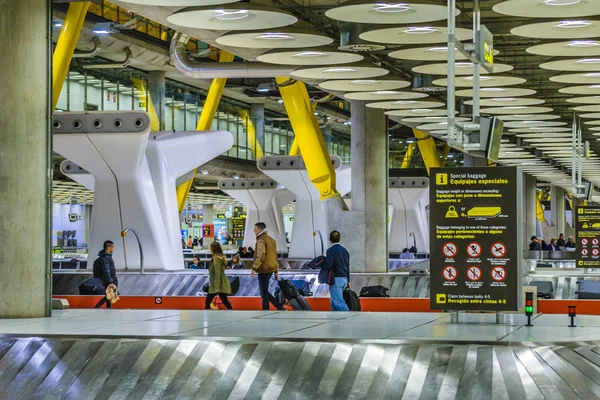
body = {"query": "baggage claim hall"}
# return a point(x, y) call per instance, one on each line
point(285, 199)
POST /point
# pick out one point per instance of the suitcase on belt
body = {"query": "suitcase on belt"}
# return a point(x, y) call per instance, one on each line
point(545, 290)
point(374, 291)
point(352, 300)
point(91, 287)
point(299, 304)
point(288, 289)
point(588, 290)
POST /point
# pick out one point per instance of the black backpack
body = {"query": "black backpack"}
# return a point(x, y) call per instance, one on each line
point(98, 265)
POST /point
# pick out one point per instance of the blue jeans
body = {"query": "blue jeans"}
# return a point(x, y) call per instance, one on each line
point(336, 291)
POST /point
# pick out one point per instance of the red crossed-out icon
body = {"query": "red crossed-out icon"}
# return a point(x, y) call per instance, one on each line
point(449, 273)
point(498, 250)
point(498, 274)
point(584, 252)
point(474, 249)
point(474, 273)
point(450, 249)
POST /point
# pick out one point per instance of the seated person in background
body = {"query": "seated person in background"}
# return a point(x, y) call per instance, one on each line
point(236, 262)
point(244, 253)
point(561, 240)
point(535, 244)
point(195, 263)
point(195, 241)
point(553, 246)
point(250, 252)
point(570, 243)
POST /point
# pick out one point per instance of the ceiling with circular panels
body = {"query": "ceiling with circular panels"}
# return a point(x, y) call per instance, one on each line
point(590, 90)
point(585, 100)
point(485, 81)
point(515, 110)
point(548, 8)
point(590, 116)
point(506, 101)
point(561, 29)
point(434, 126)
point(587, 109)
point(539, 130)
point(381, 84)
point(429, 53)
point(572, 48)
point(462, 68)
point(285, 38)
point(589, 78)
point(178, 3)
point(491, 92)
point(316, 56)
point(414, 35)
point(417, 112)
point(592, 122)
point(236, 17)
point(527, 117)
point(376, 12)
point(532, 124)
point(340, 72)
point(383, 95)
point(432, 120)
point(406, 105)
point(582, 64)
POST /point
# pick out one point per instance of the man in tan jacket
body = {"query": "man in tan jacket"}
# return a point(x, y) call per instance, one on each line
point(265, 264)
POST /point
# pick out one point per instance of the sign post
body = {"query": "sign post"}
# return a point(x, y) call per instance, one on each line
point(476, 241)
point(587, 226)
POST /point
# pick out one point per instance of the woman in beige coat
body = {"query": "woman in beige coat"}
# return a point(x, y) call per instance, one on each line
point(219, 284)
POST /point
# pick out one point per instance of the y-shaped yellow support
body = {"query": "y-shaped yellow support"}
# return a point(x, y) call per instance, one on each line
point(428, 150)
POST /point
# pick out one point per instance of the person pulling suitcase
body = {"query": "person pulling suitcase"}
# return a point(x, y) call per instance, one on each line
point(338, 259)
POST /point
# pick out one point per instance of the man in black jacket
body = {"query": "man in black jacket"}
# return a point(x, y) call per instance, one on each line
point(104, 268)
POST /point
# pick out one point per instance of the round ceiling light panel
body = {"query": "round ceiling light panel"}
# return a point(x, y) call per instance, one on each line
point(383, 95)
point(573, 48)
point(484, 81)
point(382, 86)
point(496, 92)
point(342, 72)
point(589, 78)
point(585, 100)
point(563, 29)
point(587, 89)
point(548, 8)
point(417, 112)
point(406, 104)
point(506, 101)
point(377, 12)
point(587, 109)
point(533, 124)
point(234, 17)
point(592, 123)
point(584, 64)
point(429, 53)
point(286, 38)
point(515, 110)
point(538, 130)
point(432, 120)
point(434, 126)
point(414, 35)
point(528, 117)
point(462, 68)
point(317, 56)
point(178, 3)
point(590, 116)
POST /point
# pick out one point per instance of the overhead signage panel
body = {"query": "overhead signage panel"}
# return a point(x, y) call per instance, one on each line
point(587, 226)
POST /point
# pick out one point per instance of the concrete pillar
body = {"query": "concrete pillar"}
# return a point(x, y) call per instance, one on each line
point(530, 220)
point(208, 218)
point(157, 88)
point(557, 207)
point(471, 161)
point(369, 141)
point(258, 119)
point(25, 164)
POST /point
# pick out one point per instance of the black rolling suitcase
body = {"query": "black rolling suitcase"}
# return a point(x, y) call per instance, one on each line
point(545, 290)
point(291, 294)
point(374, 291)
point(91, 287)
point(588, 290)
point(352, 300)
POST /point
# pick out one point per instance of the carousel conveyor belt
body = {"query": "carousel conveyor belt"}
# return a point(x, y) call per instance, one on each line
point(163, 368)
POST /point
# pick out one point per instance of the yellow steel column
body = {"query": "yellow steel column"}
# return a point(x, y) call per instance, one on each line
point(539, 208)
point(65, 47)
point(410, 151)
point(309, 136)
point(295, 149)
point(444, 155)
point(248, 125)
point(428, 150)
point(144, 97)
point(206, 118)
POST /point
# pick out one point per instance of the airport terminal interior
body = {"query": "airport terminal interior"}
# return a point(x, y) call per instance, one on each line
point(286, 199)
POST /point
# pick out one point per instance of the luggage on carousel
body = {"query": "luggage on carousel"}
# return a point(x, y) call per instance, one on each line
point(316, 263)
point(374, 291)
point(299, 304)
point(352, 300)
point(588, 290)
point(91, 287)
point(288, 289)
point(545, 290)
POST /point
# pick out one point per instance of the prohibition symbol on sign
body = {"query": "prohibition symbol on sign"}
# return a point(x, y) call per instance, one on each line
point(498, 274)
point(584, 252)
point(584, 242)
point(474, 249)
point(498, 250)
point(450, 250)
point(474, 273)
point(449, 273)
point(595, 252)
point(595, 242)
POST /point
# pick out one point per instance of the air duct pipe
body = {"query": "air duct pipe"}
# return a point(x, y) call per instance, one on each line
point(112, 65)
point(91, 53)
point(211, 70)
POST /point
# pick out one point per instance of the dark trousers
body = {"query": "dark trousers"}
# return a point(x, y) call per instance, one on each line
point(103, 301)
point(222, 296)
point(263, 288)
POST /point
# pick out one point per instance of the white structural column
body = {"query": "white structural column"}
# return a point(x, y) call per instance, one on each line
point(370, 186)
point(25, 162)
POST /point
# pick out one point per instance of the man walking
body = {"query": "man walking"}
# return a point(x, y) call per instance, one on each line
point(265, 264)
point(338, 259)
point(104, 268)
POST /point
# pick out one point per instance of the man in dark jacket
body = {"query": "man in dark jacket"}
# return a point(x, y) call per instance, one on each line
point(104, 268)
point(535, 244)
point(338, 259)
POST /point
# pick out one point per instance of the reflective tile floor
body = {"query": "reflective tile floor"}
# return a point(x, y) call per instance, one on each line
point(305, 326)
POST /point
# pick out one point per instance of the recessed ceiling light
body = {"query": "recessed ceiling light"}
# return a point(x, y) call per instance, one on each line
point(421, 110)
point(438, 49)
point(420, 30)
point(340, 69)
point(514, 108)
point(274, 36)
point(309, 54)
point(491, 89)
point(385, 92)
point(391, 7)
point(231, 15)
point(592, 75)
point(573, 24)
point(504, 99)
point(405, 102)
point(594, 87)
point(359, 81)
point(464, 64)
point(589, 61)
point(561, 2)
point(582, 43)
point(481, 78)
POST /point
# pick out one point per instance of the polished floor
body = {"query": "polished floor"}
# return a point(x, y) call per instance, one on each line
point(305, 326)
